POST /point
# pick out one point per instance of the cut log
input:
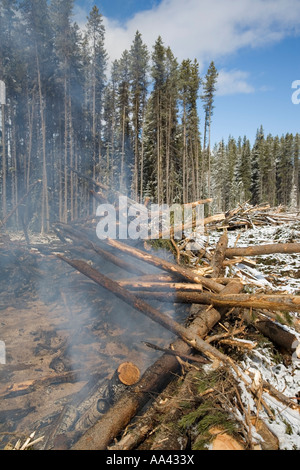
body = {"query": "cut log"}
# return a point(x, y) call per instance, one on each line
point(185, 357)
point(152, 313)
point(269, 440)
point(219, 256)
point(179, 229)
point(279, 336)
point(88, 178)
point(161, 286)
point(116, 260)
point(283, 302)
point(198, 203)
point(154, 380)
point(284, 248)
point(181, 271)
point(223, 441)
point(128, 373)
point(144, 425)
point(149, 278)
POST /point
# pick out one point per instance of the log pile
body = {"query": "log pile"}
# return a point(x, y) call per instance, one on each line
point(201, 369)
point(248, 216)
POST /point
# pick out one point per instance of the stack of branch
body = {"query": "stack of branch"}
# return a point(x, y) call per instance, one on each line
point(246, 215)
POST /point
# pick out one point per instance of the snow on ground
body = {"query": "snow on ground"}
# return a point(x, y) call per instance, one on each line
point(279, 272)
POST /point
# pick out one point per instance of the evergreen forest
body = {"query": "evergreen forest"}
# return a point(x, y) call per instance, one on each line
point(140, 125)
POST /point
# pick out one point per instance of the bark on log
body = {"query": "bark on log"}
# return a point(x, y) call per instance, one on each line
point(185, 357)
point(219, 256)
point(154, 380)
point(150, 278)
point(198, 203)
point(284, 248)
point(152, 313)
point(284, 302)
point(161, 286)
point(183, 272)
point(171, 278)
point(116, 260)
point(180, 229)
point(279, 336)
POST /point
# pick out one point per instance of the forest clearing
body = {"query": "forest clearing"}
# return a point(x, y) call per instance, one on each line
point(112, 339)
point(92, 356)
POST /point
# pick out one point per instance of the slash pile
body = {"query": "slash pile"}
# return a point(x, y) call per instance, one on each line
point(213, 386)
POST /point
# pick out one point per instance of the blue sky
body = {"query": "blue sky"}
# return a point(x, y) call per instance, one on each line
point(255, 45)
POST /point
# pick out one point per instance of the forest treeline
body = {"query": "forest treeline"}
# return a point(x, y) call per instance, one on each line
point(134, 125)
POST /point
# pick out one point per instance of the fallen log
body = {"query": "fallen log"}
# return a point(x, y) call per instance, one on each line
point(28, 386)
point(88, 178)
point(116, 260)
point(150, 278)
point(270, 302)
point(219, 256)
point(278, 335)
point(181, 271)
point(284, 248)
point(153, 381)
point(149, 311)
point(144, 425)
point(198, 203)
point(185, 357)
point(161, 286)
point(182, 228)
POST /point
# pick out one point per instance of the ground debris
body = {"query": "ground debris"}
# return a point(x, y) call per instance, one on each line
point(59, 327)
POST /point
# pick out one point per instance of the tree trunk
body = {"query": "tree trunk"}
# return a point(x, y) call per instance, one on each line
point(279, 336)
point(154, 380)
point(219, 256)
point(289, 303)
point(184, 273)
point(285, 248)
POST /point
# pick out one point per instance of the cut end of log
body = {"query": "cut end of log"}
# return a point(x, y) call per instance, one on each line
point(224, 441)
point(128, 373)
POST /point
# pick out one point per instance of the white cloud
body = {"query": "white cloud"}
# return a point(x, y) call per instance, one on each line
point(233, 82)
point(207, 30)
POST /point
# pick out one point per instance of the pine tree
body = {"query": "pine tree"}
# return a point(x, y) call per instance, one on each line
point(189, 87)
point(296, 176)
point(171, 126)
point(40, 54)
point(158, 102)
point(256, 155)
point(125, 166)
point(95, 82)
point(7, 73)
point(139, 67)
point(285, 169)
point(69, 97)
point(209, 89)
point(244, 170)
